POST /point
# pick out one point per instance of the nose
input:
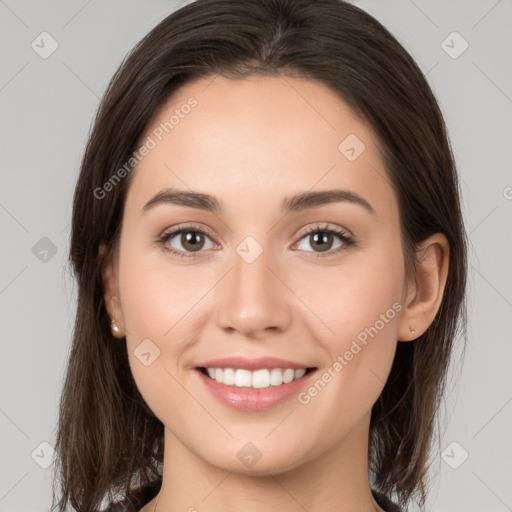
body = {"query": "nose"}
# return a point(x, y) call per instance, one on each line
point(253, 298)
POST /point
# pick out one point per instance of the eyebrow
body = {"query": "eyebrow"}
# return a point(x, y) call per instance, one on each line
point(296, 203)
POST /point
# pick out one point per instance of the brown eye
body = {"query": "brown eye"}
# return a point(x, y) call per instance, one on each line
point(192, 240)
point(323, 241)
point(185, 242)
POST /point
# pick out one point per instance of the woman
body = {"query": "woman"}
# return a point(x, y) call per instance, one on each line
point(271, 261)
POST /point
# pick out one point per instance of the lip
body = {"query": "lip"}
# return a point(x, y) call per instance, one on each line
point(252, 399)
point(251, 364)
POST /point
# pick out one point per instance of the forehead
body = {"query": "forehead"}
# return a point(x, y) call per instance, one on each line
point(246, 139)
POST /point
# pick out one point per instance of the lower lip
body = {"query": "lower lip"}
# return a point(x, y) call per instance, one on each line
point(252, 399)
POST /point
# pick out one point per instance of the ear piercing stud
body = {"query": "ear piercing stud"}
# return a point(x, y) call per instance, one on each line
point(412, 329)
point(114, 327)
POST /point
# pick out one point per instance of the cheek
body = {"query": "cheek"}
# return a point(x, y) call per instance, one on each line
point(161, 306)
point(157, 298)
point(350, 299)
point(359, 308)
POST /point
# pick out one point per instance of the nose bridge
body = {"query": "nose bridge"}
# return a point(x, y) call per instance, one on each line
point(252, 298)
point(251, 268)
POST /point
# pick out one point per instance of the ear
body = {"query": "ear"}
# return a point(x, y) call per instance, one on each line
point(425, 291)
point(111, 290)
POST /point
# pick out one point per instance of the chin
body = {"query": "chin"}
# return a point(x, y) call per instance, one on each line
point(254, 459)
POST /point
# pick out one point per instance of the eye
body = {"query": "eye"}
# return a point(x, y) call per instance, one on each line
point(321, 238)
point(190, 242)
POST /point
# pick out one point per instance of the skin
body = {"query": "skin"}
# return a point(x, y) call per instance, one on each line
point(251, 143)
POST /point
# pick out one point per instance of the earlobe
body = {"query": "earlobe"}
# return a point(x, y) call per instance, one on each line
point(426, 291)
point(110, 292)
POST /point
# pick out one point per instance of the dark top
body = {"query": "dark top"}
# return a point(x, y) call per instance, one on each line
point(148, 491)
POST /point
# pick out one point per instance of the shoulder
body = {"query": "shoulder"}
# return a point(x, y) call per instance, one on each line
point(137, 499)
point(385, 503)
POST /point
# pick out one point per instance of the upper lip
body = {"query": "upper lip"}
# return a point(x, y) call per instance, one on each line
point(251, 364)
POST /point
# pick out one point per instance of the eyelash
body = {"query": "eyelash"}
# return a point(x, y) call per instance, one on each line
point(348, 241)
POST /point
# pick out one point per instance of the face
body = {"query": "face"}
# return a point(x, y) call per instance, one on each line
point(249, 285)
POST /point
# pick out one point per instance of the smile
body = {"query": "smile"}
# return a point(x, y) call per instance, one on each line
point(258, 379)
point(252, 385)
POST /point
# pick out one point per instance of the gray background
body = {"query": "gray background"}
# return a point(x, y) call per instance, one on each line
point(47, 106)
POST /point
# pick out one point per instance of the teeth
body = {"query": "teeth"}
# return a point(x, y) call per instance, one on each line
point(261, 379)
point(228, 377)
point(288, 375)
point(276, 377)
point(299, 373)
point(258, 379)
point(242, 377)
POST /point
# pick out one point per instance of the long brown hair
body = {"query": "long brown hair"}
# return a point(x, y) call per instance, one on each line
point(108, 440)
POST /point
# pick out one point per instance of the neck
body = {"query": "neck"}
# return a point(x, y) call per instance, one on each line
point(335, 480)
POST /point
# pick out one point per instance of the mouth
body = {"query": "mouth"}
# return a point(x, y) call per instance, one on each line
point(262, 378)
point(253, 385)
